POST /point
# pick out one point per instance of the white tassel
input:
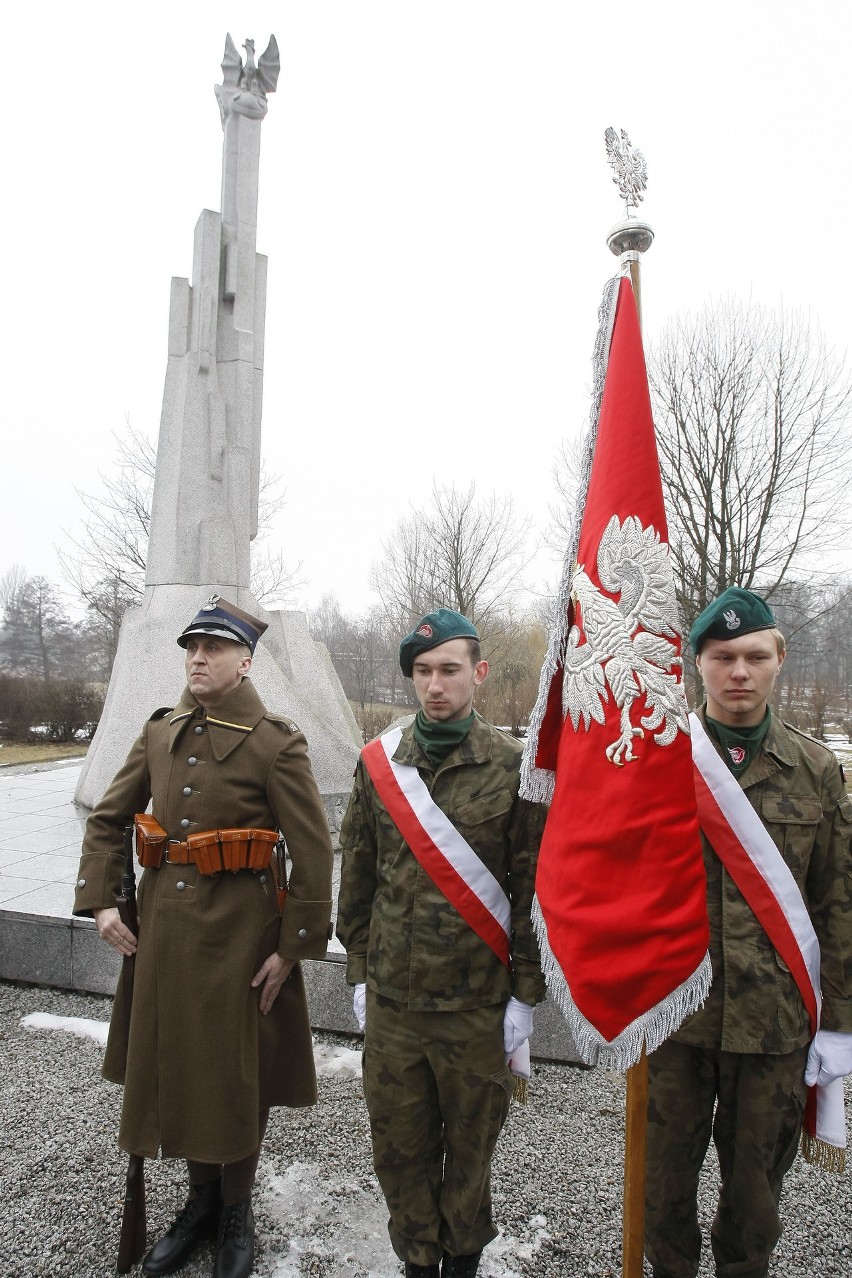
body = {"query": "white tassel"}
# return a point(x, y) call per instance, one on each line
point(648, 1030)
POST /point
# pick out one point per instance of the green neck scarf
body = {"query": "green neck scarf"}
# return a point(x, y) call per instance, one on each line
point(739, 745)
point(437, 739)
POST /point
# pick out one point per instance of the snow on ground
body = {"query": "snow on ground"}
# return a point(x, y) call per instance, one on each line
point(330, 1061)
point(71, 1024)
point(336, 1062)
point(346, 1226)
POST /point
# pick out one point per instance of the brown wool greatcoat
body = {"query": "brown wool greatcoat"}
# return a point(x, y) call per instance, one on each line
point(202, 1062)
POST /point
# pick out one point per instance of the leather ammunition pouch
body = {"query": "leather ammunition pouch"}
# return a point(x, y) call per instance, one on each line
point(151, 840)
point(212, 851)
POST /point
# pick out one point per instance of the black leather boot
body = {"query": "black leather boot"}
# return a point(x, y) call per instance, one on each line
point(460, 1266)
point(421, 1271)
point(196, 1221)
point(235, 1244)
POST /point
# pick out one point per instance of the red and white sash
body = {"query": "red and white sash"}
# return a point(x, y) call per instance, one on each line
point(444, 854)
point(745, 848)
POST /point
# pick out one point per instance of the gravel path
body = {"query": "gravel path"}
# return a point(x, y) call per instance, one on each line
point(557, 1173)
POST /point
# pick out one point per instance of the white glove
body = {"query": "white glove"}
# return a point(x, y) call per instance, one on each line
point(830, 1057)
point(359, 1005)
point(517, 1025)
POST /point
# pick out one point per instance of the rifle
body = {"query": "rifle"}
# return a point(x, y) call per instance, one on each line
point(131, 1243)
point(279, 873)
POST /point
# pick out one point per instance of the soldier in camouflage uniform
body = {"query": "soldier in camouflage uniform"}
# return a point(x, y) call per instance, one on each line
point(442, 1011)
point(745, 1052)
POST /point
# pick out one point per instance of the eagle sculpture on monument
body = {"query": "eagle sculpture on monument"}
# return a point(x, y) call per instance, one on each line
point(244, 88)
point(629, 647)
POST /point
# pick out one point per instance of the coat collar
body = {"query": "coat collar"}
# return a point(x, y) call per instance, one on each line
point(229, 722)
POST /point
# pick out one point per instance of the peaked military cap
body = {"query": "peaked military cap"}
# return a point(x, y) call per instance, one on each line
point(433, 629)
point(736, 612)
point(219, 617)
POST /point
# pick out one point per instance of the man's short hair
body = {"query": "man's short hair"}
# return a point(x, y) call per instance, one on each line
point(474, 647)
point(780, 641)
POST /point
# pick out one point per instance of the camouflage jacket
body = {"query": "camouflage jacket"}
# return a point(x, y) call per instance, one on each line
point(400, 932)
point(795, 785)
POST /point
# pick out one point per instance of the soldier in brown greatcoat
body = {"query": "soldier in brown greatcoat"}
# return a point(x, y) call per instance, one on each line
point(219, 1030)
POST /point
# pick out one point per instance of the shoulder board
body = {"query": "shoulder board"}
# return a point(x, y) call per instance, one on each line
point(806, 736)
point(502, 736)
point(516, 746)
point(282, 719)
point(161, 713)
point(812, 741)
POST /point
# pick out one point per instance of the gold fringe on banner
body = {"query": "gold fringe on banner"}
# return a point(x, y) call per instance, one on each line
point(521, 1092)
point(820, 1154)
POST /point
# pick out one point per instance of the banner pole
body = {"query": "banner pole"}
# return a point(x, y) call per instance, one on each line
point(628, 240)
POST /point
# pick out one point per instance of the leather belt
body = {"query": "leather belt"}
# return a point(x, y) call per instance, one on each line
point(211, 851)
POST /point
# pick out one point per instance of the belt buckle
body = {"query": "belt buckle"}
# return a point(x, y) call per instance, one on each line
point(168, 859)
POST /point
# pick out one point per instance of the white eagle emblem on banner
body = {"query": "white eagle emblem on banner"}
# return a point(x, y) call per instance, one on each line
point(627, 649)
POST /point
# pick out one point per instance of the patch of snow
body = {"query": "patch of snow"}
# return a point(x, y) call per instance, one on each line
point(336, 1062)
point(71, 1024)
point(331, 1061)
point(336, 1219)
point(344, 1224)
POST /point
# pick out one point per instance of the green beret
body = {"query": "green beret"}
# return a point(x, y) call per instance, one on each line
point(433, 629)
point(736, 612)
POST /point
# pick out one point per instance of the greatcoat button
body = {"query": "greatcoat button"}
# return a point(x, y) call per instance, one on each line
point(184, 825)
point(187, 791)
point(180, 885)
point(263, 878)
point(81, 883)
point(198, 731)
point(302, 934)
point(192, 760)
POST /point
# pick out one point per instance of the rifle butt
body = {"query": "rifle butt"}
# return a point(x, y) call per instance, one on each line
point(131, 1242)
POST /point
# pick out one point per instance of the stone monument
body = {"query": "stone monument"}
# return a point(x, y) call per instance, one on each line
point(207, 479)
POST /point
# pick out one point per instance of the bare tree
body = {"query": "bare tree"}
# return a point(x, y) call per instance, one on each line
point(813, 690)
point(365, 652)
point(752, 414)
point(458, 553)
point(107, 564)
point(515, 651)
point(566, 479)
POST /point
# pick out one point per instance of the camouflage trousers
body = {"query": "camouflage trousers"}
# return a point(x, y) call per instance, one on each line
point(437, 1090)
point(758, 1103)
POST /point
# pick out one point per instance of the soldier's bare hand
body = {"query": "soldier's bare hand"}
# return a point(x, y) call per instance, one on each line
point(113, 931)
point(272, 976)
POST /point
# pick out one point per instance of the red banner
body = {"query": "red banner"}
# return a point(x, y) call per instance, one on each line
point(620, 886)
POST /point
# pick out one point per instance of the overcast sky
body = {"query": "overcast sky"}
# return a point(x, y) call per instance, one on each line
point(434, 203)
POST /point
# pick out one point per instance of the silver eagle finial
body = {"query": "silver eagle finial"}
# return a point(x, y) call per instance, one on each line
point(631, 171)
